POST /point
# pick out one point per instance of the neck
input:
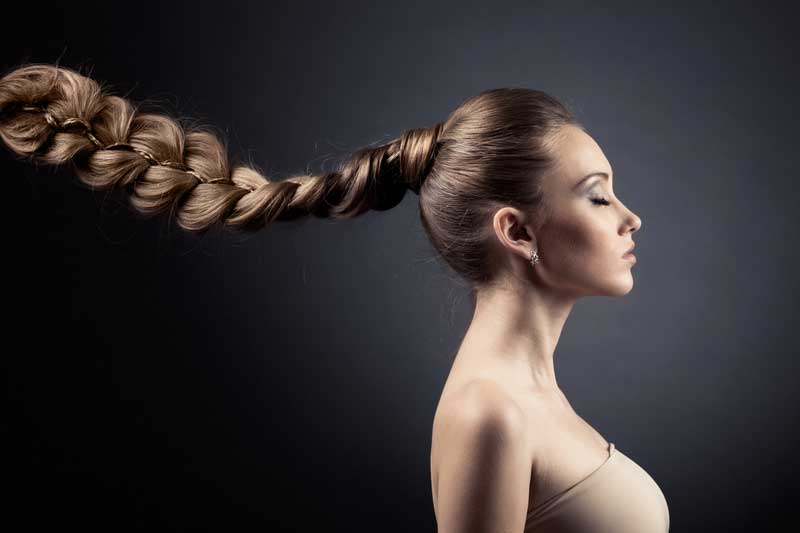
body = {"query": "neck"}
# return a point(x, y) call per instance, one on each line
point(514, 331)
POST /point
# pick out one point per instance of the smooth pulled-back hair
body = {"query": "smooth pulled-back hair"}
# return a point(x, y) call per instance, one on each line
point(490, 152)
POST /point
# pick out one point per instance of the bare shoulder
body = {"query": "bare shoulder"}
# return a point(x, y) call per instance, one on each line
point(485, 402)
point(479, 447)
point(479, 410)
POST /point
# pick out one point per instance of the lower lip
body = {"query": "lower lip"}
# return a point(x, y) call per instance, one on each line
point(629, 257)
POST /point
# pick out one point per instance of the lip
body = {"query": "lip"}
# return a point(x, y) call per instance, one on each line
point(629, 257)
point(629, 250)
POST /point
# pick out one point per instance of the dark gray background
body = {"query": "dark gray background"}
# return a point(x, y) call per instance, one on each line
point(287, 381)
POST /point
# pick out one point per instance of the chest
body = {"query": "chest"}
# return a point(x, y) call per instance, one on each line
point(564, 448)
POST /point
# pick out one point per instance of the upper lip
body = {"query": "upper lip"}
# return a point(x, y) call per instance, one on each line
point(629, 250)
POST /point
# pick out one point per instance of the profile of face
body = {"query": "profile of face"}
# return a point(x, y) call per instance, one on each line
point(589, 230)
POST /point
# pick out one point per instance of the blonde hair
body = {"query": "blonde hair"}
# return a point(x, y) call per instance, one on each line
point(489, 152)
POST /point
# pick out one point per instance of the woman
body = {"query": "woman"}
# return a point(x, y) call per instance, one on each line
point(517, 199)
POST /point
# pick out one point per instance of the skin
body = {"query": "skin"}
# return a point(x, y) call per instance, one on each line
point(502, 412)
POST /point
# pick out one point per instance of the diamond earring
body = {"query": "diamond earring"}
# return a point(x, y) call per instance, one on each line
point(534, 257)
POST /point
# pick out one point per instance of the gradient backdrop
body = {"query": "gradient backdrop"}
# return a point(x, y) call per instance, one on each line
point(155, 381)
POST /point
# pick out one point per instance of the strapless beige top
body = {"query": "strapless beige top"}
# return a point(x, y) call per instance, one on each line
point(618, 497)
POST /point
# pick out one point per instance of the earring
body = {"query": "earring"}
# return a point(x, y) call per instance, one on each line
point(534, 257)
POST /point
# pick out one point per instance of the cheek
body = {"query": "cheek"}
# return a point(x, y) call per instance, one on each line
point(576, 249)
point(569, 242)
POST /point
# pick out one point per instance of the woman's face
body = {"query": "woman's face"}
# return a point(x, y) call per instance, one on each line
point(582, 243)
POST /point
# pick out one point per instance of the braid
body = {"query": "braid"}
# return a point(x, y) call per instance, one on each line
point(417, 149)
point(55, 115)
point(88, 131)
point(493, 149)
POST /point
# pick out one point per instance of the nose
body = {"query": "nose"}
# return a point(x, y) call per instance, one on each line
point(632, 221)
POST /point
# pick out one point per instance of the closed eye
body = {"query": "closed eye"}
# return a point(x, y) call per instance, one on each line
point(600, 201)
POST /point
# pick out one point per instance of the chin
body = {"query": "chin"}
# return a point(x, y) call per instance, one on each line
point(620, 287)
point(618, 284)
point(624, 288)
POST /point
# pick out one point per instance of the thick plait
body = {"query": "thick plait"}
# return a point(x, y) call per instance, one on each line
point(56, 115)
point(493, 151)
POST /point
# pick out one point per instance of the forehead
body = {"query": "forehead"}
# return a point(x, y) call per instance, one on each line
point(577, 154)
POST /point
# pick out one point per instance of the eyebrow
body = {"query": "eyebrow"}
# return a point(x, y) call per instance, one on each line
point(603, 174)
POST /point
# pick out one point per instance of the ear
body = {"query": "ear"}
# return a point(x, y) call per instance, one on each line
point(513, 232)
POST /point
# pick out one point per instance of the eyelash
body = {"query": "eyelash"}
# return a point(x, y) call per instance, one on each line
point(600, 201)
